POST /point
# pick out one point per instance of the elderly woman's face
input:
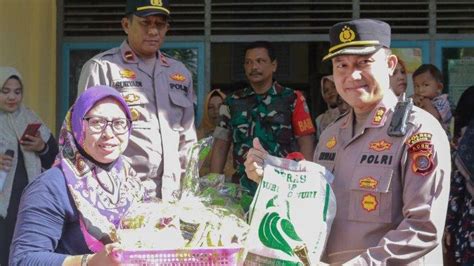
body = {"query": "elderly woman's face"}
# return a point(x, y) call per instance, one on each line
point(106, 131)
point(11, 95)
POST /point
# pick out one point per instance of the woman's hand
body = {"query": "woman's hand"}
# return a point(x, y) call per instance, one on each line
point(109, 256)
point(254, 161)
point(5, 162)
point(33, 143)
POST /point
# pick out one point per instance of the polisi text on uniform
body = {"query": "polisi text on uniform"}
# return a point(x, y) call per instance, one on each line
point(179, 87)
point(376, 159)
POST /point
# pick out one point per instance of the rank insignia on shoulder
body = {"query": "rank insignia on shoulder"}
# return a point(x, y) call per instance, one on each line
point(129, 56)
point(379, 113)
point(369, 202)
point(331, 143)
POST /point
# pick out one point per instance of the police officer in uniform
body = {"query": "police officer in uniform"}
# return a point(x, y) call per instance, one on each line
point(391, 160)
point(159, 92)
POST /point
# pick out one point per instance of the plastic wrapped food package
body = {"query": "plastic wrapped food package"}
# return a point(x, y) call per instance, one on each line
point(184, 224)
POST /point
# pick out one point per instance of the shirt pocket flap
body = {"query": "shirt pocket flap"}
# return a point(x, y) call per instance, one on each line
point(179, 99)
point(375, 180)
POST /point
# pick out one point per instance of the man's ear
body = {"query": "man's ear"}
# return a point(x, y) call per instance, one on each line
point(275, 65)
point(392, 62)
point(125, 24)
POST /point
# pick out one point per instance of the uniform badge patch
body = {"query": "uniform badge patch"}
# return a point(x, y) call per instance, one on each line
point(178, 77)
point(131, 98)
point(380, 145)
point(369, 202)
point(331, 143)
point(419, 137)
point(128, 74)
point(135, 114)
point(346, 35)
point(421, 153)
point(368, 182)
point(379, 113)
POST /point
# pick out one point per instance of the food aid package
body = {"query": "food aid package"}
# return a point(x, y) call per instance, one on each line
point(291, 214)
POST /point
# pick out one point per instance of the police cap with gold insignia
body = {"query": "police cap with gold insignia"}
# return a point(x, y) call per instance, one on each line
point(358, 37)
point(144, 8)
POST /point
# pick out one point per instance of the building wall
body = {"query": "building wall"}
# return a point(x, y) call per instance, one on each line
point(28, 34)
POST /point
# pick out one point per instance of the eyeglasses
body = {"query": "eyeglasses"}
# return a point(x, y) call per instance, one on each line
point(98, 124)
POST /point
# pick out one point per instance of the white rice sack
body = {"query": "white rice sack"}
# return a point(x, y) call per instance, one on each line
point(291, 214)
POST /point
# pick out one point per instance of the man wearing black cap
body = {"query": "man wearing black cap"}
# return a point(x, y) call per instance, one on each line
point(391, 160)
point(159, 92)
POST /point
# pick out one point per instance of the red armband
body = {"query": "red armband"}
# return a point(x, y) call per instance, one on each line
point(301, 118)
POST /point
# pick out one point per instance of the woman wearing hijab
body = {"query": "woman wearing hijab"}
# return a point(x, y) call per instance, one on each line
point(329, 93)
point(30, 155)
point(398, 80)
point(210, 118)
point(72, 210)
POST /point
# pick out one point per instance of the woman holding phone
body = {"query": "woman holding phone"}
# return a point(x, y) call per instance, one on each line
point(22, 156)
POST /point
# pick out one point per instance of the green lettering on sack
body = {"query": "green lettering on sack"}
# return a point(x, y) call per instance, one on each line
point(307, 194)
point(270, 186)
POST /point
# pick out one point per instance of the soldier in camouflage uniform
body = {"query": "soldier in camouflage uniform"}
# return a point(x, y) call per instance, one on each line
point(277, 115)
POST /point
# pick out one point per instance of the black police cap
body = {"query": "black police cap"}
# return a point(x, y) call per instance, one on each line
point(358, 37)
point(144, 8)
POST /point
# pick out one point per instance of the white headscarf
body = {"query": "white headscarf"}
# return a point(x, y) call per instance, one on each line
point(12, 126)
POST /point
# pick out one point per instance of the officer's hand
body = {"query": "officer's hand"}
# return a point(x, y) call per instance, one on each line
point(5, 162)
point(254, 161)
point(33, 143)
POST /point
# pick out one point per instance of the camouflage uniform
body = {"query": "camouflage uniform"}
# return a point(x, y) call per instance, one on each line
point(277, 118)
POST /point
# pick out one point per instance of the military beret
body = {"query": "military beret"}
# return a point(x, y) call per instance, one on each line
point(144, 8)
point(358, 37)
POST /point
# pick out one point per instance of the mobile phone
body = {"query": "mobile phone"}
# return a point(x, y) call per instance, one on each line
point(31, 130)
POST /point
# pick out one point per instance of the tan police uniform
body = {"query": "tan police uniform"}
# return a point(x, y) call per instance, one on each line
point(161, 99)
point(391, 192)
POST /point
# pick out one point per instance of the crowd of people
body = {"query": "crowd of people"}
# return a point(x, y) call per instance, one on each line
point(126, 139)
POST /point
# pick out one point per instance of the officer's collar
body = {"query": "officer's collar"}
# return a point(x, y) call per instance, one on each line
point(378, 115)
point(130, 57)
point(274, 90)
